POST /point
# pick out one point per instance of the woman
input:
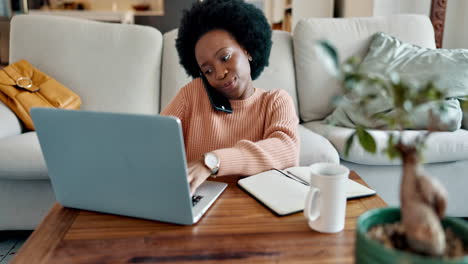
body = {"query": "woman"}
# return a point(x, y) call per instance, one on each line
point(224, 45)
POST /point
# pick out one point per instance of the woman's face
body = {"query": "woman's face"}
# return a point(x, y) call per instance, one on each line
point(225, 64)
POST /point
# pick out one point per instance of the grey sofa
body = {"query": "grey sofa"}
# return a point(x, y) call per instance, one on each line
point(130, 68)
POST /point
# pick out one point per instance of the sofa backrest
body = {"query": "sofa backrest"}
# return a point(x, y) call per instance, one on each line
point(113, 67)
point(173, 76)
point(279, 74)
point(351, 37)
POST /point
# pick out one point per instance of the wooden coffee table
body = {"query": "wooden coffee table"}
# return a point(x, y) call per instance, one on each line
point(237, 229)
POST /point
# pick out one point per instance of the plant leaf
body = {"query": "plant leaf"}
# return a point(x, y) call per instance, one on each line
point(391, 150)
point(329, 57)
point(349, 143)
point(394, 78)
point(366, 140)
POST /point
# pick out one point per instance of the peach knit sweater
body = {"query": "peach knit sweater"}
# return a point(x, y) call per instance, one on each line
point(259, 135)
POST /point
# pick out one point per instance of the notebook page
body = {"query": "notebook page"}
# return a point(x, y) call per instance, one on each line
point(354, 189)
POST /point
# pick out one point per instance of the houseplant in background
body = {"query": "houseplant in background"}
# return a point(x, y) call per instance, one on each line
point(417, 232)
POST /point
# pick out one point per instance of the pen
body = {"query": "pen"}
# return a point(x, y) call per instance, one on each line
point(292, 176)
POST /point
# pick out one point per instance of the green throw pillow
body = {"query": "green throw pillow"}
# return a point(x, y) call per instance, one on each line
point(415, 65)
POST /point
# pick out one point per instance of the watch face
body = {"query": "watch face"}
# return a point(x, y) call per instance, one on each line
point(211, 160)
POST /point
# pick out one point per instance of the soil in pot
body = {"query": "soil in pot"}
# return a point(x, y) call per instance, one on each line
point(392, 235)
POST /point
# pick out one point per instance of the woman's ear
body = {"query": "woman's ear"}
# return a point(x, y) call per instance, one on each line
point(248, 55)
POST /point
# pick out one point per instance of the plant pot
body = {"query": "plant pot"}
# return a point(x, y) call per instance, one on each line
point(368, 250)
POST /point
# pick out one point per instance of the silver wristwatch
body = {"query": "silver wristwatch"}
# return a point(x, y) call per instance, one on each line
point(212, 162)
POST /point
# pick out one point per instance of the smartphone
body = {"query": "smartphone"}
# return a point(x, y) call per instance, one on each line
point(218, 101)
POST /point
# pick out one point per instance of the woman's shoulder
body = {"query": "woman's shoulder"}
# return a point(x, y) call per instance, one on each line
point(191, 90)
point(194, 86)
point(276, 94)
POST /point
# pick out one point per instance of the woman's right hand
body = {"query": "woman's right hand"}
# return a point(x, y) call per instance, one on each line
point(197, 174)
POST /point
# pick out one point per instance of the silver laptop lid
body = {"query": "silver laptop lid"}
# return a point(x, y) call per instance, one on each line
point(125, 164)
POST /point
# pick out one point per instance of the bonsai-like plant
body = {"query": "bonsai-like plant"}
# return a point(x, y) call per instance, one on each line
point(423, 200)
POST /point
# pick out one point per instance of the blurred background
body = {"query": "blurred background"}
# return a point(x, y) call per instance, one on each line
point(282, 14)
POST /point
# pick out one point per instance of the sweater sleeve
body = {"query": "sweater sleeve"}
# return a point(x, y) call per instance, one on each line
point(278, 149)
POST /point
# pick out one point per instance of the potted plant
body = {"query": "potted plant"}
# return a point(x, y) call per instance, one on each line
point(418, 231)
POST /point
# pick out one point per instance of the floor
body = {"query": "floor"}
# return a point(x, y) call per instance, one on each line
point(10, 243)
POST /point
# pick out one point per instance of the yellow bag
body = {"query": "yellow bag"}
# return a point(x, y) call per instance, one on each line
point(22, 86)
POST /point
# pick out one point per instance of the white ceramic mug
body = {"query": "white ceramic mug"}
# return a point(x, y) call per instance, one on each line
point(325, 205)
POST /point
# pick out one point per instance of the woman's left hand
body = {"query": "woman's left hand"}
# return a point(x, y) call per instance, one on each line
point(197, 174)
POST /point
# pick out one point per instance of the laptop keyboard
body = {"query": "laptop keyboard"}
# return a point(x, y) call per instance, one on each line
point(196, 199)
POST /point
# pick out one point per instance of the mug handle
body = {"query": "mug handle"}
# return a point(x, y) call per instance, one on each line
point(311, 209)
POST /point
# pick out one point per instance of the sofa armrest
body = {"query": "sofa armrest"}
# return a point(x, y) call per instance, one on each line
point(315, 148)
point(9, 123)
point(21, 158)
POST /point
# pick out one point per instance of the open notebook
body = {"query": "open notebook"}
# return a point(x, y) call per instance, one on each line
point(284, 195)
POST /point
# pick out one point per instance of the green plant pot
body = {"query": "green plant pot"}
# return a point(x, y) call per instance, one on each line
point(368, 250)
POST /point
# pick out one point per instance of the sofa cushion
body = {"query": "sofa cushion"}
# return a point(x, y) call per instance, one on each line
point(440, 146)
point(351, 36)
point(173, 75)
point(112, 67)
point(9, 123)
point(315, 148)
point(415, 65)
point(448, 68)
point(278, 75)
point(21, 158)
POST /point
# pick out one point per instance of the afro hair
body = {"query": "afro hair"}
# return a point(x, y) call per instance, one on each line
point(244, 21)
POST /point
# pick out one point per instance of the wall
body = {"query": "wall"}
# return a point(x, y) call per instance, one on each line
point(363, 8)
point(389, 7)
point(416, 6)
point(456, 20)
point(156, 5)
point(454, 24)
point(354, 8)
point(307, 8)
point(386, 7)
point(172, 15)
point(170, 20)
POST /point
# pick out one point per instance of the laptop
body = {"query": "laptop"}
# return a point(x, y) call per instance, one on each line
point(124, 164)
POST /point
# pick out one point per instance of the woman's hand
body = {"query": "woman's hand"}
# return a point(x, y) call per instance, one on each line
point(197, 174)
